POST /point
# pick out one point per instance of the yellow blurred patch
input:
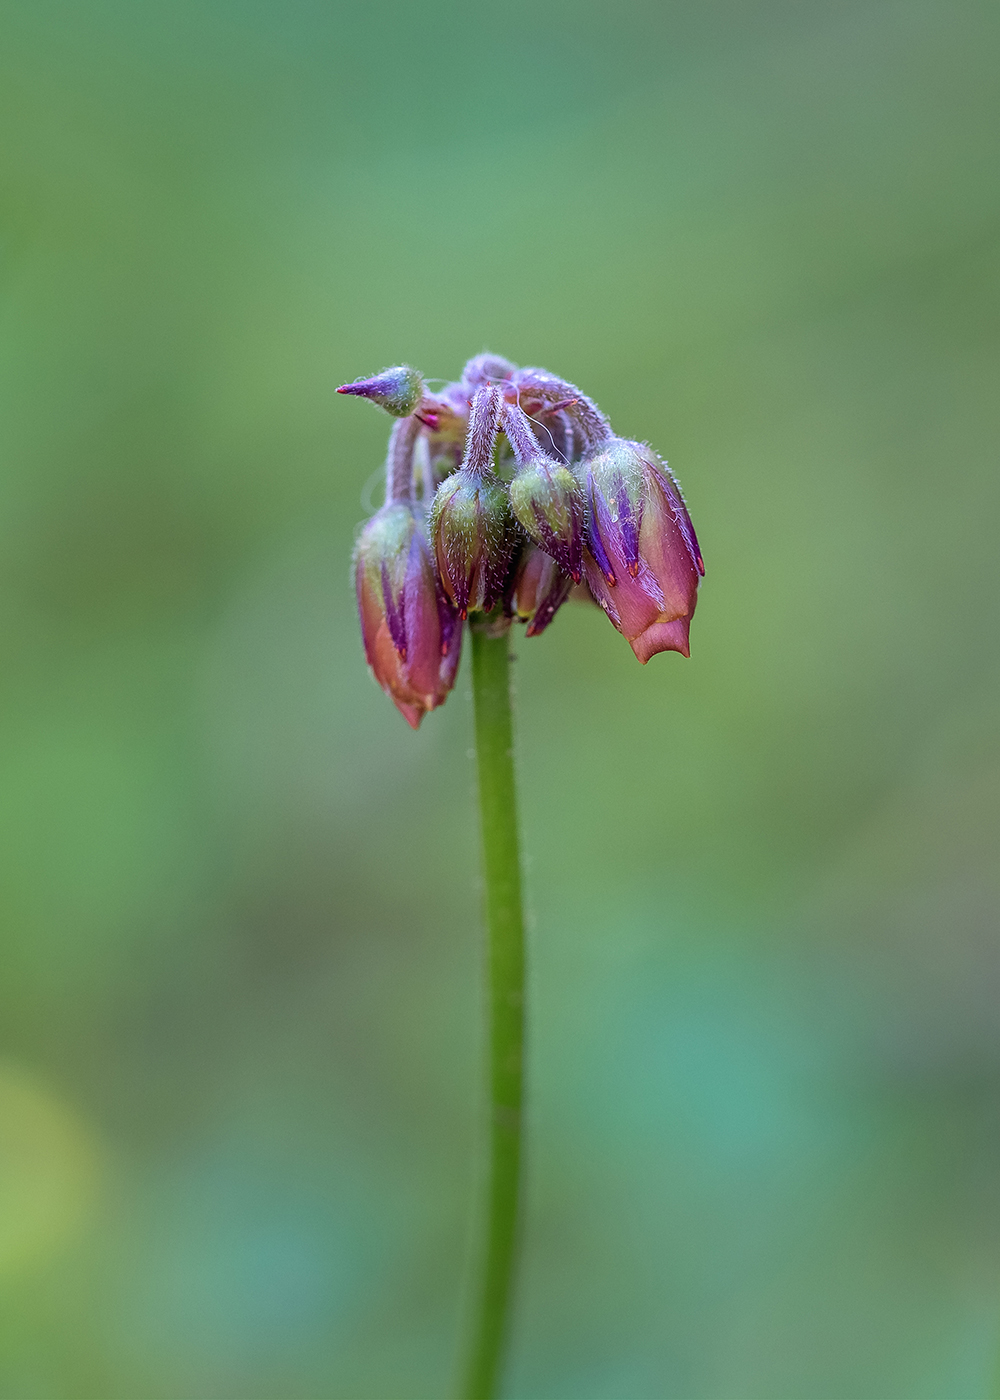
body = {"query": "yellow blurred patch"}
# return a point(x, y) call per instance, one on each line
point(48, 1170)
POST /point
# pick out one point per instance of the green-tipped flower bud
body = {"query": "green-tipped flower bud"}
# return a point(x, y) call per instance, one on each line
point(397, 390)
point(473, 540)
point(545, 496)
point(471, 527)
point(548, 502)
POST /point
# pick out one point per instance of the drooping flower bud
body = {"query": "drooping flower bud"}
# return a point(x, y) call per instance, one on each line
point(471, 527)
point(485, 369)
point(398, 390)
point(545, 496)
point(539, 589)
point(541, 394)
point(412, 636)
point(642, 559)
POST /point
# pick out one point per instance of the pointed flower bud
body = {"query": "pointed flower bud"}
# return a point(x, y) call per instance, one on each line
point(545, 496)
point(398, 390)
point(642, 560)
point(411, 634)
point(539, 589)
point(471, 527)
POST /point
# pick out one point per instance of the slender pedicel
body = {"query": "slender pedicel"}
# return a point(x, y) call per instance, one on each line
point(399, 463)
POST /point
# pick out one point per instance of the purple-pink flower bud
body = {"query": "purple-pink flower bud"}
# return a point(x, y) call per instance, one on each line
point(398, 390)
point(642, 559)
point(411, 634)
point(545, 496)
point(539, 589)
point(471, 527)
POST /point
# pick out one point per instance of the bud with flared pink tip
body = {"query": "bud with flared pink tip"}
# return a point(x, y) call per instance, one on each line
point(538, 590)
point(411, 634)
point(471, 527)
point(642, 560)
point(398, 390)
point(545, 496)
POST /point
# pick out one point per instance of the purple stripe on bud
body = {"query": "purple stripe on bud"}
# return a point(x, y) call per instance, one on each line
point(594, 539)
point(629, 520)
point(393, 613)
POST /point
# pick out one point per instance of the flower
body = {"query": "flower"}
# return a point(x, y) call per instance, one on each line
point(642, 560)
point(471, 527)
point(411, 635)
point(529, 492)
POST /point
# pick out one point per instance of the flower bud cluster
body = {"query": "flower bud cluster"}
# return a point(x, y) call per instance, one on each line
point(507, 492)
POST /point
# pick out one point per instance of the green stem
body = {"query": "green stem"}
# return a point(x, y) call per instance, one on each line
point(505, 961)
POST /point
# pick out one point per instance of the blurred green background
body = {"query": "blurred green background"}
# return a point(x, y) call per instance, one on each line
point(240, 979)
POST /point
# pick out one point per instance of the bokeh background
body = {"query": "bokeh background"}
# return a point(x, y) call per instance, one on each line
point(240, 967)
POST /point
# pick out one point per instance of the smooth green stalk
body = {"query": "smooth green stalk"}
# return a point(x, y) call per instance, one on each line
point(505, 964)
